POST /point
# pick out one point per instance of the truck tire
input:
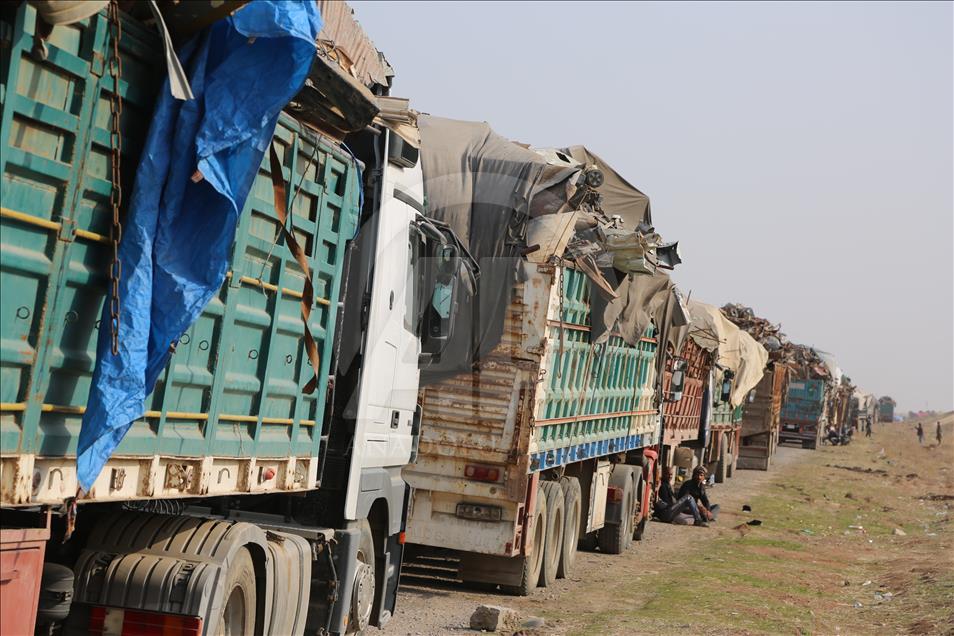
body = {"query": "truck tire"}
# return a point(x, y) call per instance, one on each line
point(533, 563)
point(237, 617)
point(556, 528)
point(615, 538)
point(721, 469)
point(362, 596)
point(572, 510)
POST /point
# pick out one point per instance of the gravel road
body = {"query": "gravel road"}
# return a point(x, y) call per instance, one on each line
point(428, 606)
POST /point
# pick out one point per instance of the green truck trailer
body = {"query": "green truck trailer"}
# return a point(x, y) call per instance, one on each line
point(238, 500)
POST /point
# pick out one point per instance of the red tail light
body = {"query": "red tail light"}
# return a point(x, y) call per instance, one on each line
point(481, 473)
point(614, 494)
point(113, 621)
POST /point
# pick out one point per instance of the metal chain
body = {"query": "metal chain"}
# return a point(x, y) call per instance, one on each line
point(115, 63)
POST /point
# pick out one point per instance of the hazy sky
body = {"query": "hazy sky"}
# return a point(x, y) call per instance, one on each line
point(800, 153)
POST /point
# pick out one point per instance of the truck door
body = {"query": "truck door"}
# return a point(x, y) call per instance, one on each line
point(387, 390)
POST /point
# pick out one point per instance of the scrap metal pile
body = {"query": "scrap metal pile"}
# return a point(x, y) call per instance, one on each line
point(802, 358)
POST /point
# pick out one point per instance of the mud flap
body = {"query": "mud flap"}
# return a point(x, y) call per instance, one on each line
point(488, 568)
point(178, 564)
point(393, 557)
point(345, 557)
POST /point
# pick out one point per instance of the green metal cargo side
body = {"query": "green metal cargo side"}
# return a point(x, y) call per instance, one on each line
point(227, 414)
point(544, 398)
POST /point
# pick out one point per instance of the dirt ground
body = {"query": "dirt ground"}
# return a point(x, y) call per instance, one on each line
point(853, 540)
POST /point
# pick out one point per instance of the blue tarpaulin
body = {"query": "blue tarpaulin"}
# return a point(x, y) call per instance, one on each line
point(178, 234)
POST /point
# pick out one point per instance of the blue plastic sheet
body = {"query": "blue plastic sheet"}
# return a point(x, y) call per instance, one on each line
point(178, 234)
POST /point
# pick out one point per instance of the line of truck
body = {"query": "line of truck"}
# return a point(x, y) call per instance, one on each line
point(503, 362)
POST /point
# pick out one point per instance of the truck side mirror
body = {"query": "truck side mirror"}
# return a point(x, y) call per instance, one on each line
point(437, 315)
point(444, 271)
point(726, 386)
point(677, 380)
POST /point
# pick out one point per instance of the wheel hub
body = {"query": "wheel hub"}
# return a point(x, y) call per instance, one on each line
point(363, 596)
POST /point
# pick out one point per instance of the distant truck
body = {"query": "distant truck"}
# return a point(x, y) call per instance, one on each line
point(863, 410)
point(717, 366)
point(805, 413)
point(700, 417)
point(886, 407)
point(237, 501)
point(761, 419)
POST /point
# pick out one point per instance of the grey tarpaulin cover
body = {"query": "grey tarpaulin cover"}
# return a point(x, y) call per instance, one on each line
point(619, 195)
point(641, 299)
point(485, 187)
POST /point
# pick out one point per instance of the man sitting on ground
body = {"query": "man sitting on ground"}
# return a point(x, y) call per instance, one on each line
point(669, 510)
point(697, 488)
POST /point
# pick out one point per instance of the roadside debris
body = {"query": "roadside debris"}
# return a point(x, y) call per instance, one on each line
point(492, 618)
point(743, 529)
point(858, 469)
point(900, 533)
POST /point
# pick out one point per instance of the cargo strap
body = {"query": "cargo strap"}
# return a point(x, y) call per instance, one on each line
point(308, 293)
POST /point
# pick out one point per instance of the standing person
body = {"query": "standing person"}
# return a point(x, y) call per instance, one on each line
point(920, 434)
point(938, 433)
point(667, 508)
point(697, 488)
point(867, 428)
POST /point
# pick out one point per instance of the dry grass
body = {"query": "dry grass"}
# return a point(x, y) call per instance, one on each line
point(828, 558)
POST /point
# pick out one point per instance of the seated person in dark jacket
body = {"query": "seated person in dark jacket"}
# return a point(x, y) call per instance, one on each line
point(697, 488)
point(668, 508)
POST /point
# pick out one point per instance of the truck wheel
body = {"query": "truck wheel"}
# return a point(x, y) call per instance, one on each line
point(362, 596)
point(237, 617)
point(614, 538)
point(534, 563)
point(556, 520)
point(572, 510)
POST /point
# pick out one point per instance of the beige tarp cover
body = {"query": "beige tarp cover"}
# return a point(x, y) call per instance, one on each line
point(342, 39)
point(866, 401)
point(735, 349)
point(747, 377)
point(620, 197)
